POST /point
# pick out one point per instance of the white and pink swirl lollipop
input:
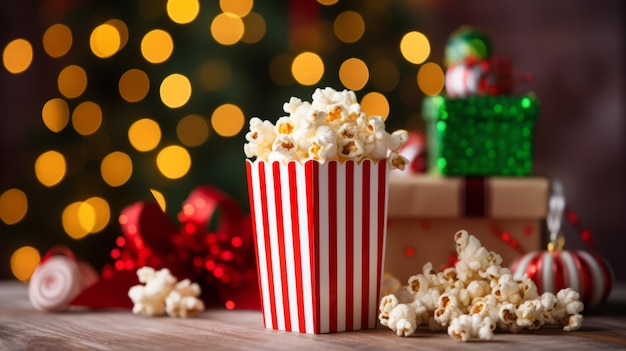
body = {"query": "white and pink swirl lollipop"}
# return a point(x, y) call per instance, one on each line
point(58, 280)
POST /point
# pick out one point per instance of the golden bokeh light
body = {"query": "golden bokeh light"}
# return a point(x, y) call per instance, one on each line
point(144, 134)
point(173, 161)
point(349, 26)
point(116, 168)
point(215, 74)
point(227, 28)
point(384, 75)
point(183, 11)
point(157, 46)
point(415, 47)
point(192, 130)
point(76, 219)
point(237, 7)
point(327, 2)
point(430, 79)
point(353, 74)
point(254, 28)
point(13, 206)
point(175, 90)
point(160, 199)
point(101, 214)
point(122, 30)
point(307, 68)
point(105, 41)
point(227, 120)
point(375, 104)
point(50, 168)
point(280, 70)
point(134, 85)
point(55, 114)
point(72, 81)
point(87, 118)
point(24, 261)
point(57, 40)
point(17, 56)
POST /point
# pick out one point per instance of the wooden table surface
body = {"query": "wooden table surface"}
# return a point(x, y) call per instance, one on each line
point(24, 328)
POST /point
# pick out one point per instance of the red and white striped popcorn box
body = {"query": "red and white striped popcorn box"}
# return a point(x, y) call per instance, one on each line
point(320, 242)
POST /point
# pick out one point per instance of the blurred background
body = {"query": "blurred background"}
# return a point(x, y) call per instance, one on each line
point(106, 103)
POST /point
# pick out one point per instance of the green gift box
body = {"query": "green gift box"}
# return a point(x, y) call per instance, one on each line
point(480, 135)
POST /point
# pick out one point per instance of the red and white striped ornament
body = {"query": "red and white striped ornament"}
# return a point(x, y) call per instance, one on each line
point(555, 269)
point(468, 77)
point(552, 271)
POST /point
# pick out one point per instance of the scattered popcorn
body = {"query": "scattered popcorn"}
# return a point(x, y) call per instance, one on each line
point(474, 298)
point(331, 127)
point(161, 293)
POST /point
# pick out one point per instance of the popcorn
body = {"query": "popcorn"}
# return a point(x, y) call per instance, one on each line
point(161, 294)
point(476, 297)
point(331, 127)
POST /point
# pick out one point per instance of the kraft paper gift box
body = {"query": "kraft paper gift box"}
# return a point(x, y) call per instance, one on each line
point(426, 210)
point(320, 237)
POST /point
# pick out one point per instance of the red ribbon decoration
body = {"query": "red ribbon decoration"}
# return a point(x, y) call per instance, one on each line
point(222, 260)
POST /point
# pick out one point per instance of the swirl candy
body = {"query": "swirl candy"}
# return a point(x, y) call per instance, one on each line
point(57, 281)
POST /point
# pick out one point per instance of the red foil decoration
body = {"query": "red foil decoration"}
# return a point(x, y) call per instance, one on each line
point(220, 259)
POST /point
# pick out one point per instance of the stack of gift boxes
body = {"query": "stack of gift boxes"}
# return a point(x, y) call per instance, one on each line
point(479, 142)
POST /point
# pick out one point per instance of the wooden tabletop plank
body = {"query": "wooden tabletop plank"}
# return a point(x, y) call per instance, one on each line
point(23, 327)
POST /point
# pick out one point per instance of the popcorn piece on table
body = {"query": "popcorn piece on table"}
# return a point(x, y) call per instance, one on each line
point(161, 293)
point(331, 127)
point(476, 297)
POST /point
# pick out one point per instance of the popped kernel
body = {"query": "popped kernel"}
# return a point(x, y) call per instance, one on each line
point(475, 297)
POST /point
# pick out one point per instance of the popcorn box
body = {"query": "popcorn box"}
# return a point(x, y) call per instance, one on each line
point(320, 242)
point(480, 135)
point(506, 214)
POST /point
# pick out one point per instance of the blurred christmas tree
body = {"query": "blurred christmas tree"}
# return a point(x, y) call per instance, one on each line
point(113, 102)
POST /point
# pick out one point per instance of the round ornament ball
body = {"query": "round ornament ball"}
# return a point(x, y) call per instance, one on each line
point(553, 270)
point(467, 42)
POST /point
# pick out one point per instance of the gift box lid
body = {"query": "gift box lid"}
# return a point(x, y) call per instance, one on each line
point(430, 196)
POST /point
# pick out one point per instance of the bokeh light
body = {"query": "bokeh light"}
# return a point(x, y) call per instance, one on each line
point(254, 28)
point(17, 56)
point(134, 85)
point(307, 68)
point(192, 130)
point(349, 26)
point(215, 74)
point(353, 74)
point(50, 168)
point(173, 161)
point(72, 81)
point(87, 118)
point(122, 30)
point(57, 40)
point(105, 41)
point(327, 2)
point(227, 28)
point(116, 168)
point(384, 75)
point(24, 261)
point(430, 78)
point(160, 199)
point(183, 11)
point(144, 134)
point(227, 120)
point(101, 212)
point(157, 46)
point(415, 47)
point(375, 104)
point(175, 90)
point(55, 114)
point(280, 70)
point(237, 7)
point(77, 219)
point(13, 206)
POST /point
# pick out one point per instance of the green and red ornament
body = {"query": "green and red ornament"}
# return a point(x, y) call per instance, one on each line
point(557, 268)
